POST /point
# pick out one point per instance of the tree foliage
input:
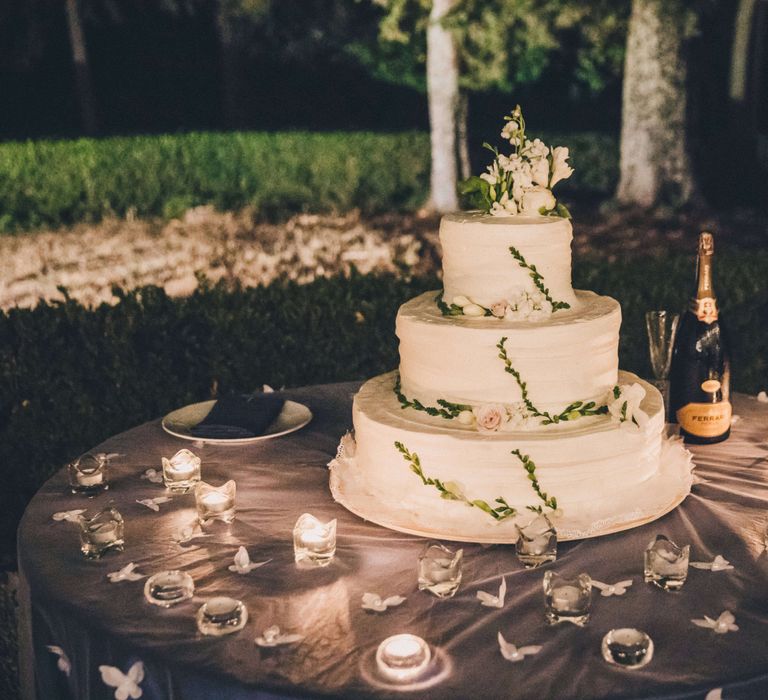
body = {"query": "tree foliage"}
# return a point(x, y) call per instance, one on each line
point(503, 43)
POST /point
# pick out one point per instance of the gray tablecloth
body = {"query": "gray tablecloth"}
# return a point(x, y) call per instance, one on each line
point(68, 601)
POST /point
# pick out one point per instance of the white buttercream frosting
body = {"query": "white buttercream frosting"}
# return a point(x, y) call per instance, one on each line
point(571, 357)
point(477, 263)
point(602, 476)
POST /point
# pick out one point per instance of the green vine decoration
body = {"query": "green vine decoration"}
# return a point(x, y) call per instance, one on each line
point(530, 467)
point(447, 409)
point(577, 409)
point(501, 512)
point(538, 280)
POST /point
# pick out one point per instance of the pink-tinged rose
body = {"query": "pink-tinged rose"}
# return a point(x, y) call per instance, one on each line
point(490, 417)
point(499, 308)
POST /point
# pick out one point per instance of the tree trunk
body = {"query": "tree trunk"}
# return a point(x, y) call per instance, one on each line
point(462, 134)
point(82, 70)
point(443, 95)
point(655, 166)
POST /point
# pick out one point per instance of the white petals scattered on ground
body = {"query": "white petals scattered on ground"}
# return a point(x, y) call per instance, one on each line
point(89, 259)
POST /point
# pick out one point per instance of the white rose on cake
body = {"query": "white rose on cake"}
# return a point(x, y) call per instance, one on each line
point(624, 405)
point(537, 198)
point(499, 308)
point(490, 417)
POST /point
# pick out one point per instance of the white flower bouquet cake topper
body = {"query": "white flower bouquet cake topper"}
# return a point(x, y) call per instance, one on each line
point(521, 182)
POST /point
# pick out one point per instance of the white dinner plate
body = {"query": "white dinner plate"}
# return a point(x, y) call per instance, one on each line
point(178, 423)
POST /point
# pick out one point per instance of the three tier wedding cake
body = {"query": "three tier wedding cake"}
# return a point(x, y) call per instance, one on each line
point(508, 400)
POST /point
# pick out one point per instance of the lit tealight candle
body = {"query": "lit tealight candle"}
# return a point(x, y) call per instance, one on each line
point(403, 657)
point(215, 501)
point(565, 598)
point(181, 471)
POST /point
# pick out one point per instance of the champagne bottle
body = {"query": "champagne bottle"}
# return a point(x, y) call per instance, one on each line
point(700, 376)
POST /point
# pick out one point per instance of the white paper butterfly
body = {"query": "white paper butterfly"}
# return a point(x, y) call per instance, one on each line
point(153, 503)
point(511, 653)
point(187, 533)
point(69, 516)
point(153, 475)
point(719, 563)
point(715, 694)
point(607, 589)
point(725, 623)
point(494, 601)
point(127, 573)
point(63, 663)
point(372, 601)
point(243, 563)
point(271, 637)
point(126, 684)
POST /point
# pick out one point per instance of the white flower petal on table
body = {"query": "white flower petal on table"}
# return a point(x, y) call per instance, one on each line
point(153, 475)
point(494, 601)
point(373, 601)
point(762, 397)
point(272, 637)
point(153, 503)
point(726, 622)
point(610, 589)
point(188, 533)
point(127, 573)
point(719, 563)
point(69, 516)
point(126, 684)
point(63, 663)
point(715, 694)
point(511, 653)
point(243, 563)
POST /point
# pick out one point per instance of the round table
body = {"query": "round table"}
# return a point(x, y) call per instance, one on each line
point(68, 602)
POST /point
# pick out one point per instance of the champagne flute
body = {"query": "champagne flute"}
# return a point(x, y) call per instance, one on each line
point(661, 326)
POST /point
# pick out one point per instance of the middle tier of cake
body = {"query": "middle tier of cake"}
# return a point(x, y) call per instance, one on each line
point(571, 357)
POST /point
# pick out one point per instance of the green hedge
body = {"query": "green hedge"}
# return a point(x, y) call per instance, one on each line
point(55, 183)
point(70, 376)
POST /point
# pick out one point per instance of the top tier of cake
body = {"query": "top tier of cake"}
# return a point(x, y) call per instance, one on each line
point(478, 264)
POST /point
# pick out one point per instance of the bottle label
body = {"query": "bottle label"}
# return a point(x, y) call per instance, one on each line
point(705, 420)
point(706, 309)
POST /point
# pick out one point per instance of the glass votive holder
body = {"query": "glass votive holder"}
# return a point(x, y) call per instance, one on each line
point(440, 570)
point(215, 502)
point(168, 588)
point(314, 542)
point(402, 658)
point(666, 564)
point(627, 647)
point(567, 600)
point(101, 532)
point(182, 471)
point(221, 615)
point(88, 474)
point(536, 542)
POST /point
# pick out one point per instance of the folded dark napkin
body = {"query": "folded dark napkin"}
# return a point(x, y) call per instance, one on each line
point(239, 416)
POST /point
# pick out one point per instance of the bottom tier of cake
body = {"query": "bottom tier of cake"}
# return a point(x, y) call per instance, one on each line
point(441, 475)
